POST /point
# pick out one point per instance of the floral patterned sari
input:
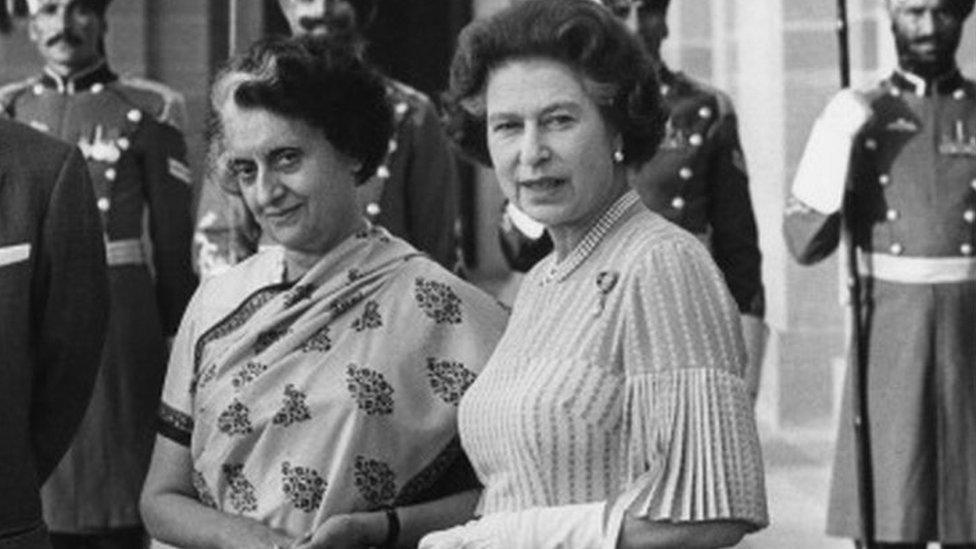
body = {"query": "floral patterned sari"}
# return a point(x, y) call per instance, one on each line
point(333, 394)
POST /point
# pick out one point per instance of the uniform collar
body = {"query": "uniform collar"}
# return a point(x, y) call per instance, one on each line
point(79, 81)
point(946, 84)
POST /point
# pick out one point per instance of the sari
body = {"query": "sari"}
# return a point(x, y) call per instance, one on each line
point(336, 393)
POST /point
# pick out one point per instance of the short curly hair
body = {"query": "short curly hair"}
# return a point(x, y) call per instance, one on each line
point(315, 80)
point(580, 33)
point(958, 8)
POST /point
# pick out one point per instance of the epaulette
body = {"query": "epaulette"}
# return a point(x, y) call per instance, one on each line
point(159, 100)
point(402, 92)
point(11, 92)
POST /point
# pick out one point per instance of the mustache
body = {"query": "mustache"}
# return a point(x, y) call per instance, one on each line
point(67, 37)
point(332, 23)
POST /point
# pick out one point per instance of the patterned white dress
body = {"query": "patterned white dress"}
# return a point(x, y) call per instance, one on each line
point(621, 364)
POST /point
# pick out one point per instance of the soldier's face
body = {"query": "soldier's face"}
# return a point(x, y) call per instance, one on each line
point(320, 16)
point(648, 20)
point(67, 33)
point(927, 32)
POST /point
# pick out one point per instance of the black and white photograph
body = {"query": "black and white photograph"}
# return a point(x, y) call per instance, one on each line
point(487, 274)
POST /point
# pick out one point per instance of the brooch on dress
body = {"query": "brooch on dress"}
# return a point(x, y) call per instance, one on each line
point(605, 282)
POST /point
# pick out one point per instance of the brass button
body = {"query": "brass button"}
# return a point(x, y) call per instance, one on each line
point(705, 112)
point(134, 115)
point(383, 172)
point(966, 249)
point(970, 216)
point(685, 173)
point(959, 94)
point(123, 143)
point(38, 89)
point(678, 203)
point(871, 144)
point(373, 209)
point(884, 179)
point(110, 174)
point(695, 140)
point(97, 87)
point(891, 214)
point(896, 249)
point(104, 204)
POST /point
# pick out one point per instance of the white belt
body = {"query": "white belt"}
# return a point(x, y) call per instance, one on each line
point(916, 270)
point(124, 252)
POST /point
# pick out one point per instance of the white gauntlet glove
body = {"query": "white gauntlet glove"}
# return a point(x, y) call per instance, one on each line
point(822, 175)
point(565, 527)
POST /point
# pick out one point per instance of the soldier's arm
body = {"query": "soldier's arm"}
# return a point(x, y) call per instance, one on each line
point(71, 295)
point(735, 238)
point(432, 187)
point(811, 223)
point(167, 186)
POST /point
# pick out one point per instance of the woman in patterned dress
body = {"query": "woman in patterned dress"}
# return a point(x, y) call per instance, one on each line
point(311, 396)
point(613, 411)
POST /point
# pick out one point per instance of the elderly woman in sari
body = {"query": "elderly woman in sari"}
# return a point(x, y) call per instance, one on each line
point(613, 411)
point(311, 397)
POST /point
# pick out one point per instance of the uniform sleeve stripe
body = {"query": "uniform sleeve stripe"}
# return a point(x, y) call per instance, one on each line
point(179, 170)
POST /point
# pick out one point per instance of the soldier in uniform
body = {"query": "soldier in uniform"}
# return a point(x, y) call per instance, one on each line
point(697, 180)
point(126, 129)
point(899, 160)
point(414, 193)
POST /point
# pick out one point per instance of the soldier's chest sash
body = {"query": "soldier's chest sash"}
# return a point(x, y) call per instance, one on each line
point(106, 129)
point(673, 182)
point(915, 176)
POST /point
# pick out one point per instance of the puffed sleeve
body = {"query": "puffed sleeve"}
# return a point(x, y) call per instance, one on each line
point(690, 429)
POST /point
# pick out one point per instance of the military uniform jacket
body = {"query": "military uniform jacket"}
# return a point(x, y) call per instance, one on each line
point(698, 180)
point(136, 157)
point(911, 203)
point(53, 311)
point(414, 193)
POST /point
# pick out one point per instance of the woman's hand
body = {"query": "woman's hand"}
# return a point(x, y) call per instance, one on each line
point(352, 531)
point(247, 533)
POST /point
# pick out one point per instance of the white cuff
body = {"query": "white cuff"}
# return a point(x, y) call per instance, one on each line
point(578, 526)
point(821, 178)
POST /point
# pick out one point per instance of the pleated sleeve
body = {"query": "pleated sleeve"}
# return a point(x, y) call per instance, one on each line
point(692, 445)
